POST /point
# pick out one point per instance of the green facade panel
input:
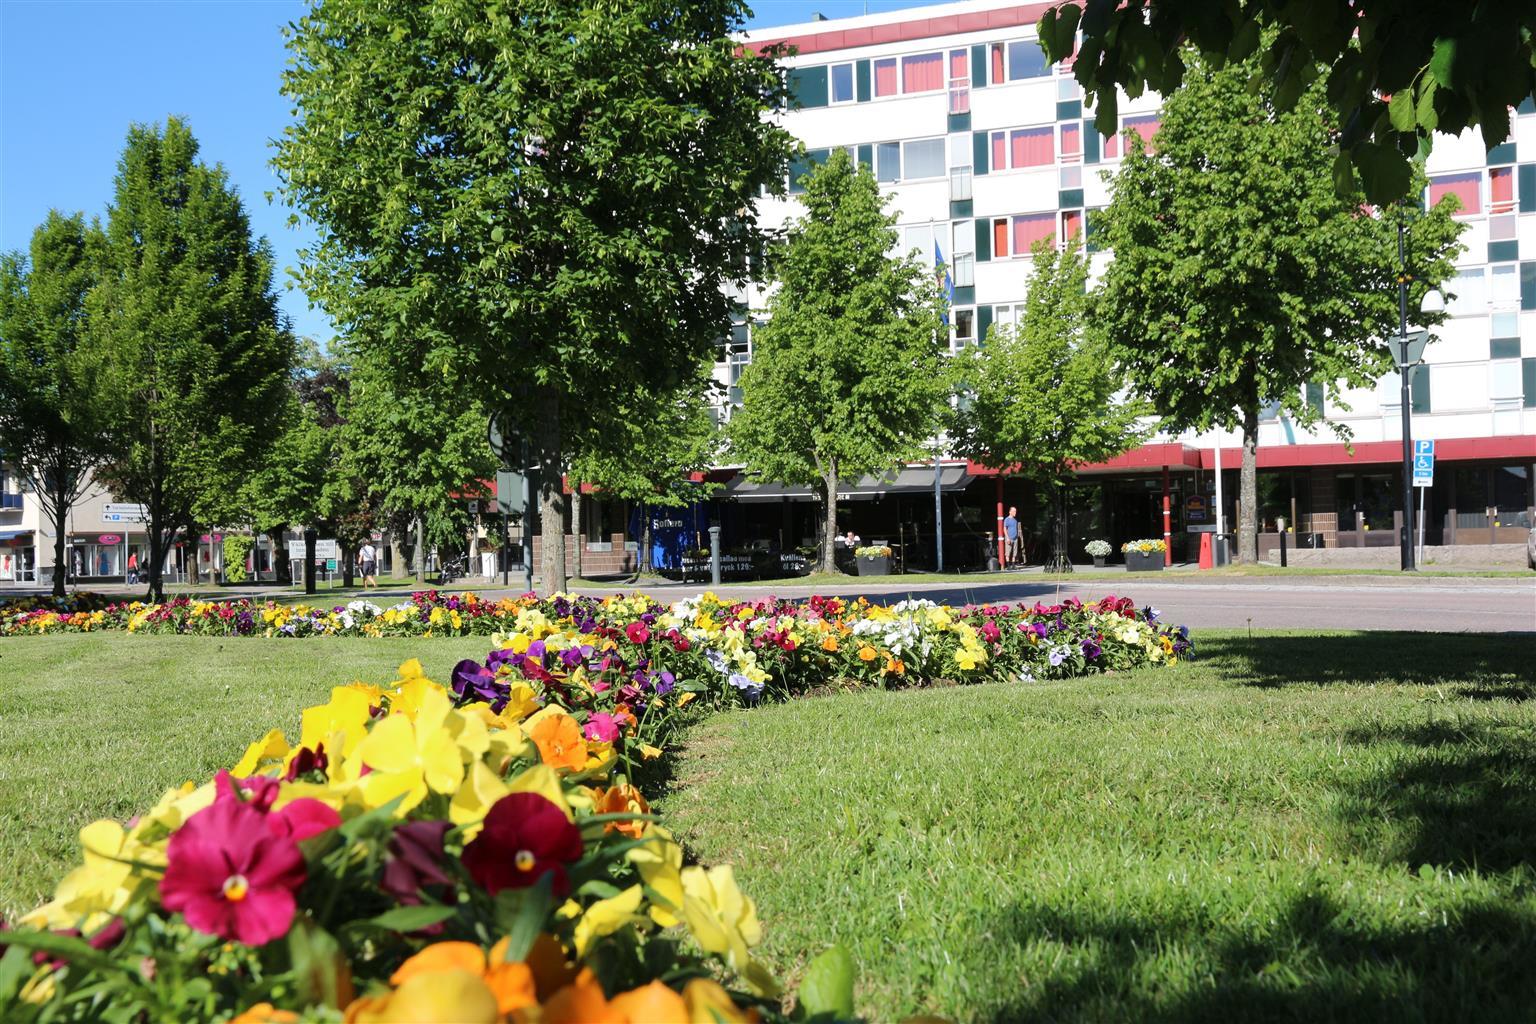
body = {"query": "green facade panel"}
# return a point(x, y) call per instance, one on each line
point(983, 241)
point(1503, 252)
point(1528, 380)
point(979, 152)
point(1528, 286)
point(861, 86)
point(1503, 153)
point(983, 322)
point(1527, 178)
point(978, 66)
point(960, 122)
point(1067, 110)
point(1090, 143)
point(1503, 348)
point(1069, 198)
point(808, 86)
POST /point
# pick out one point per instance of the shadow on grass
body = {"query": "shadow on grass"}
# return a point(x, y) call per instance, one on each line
point(1307, 959)
point(1476, 665)
point(1454, 794)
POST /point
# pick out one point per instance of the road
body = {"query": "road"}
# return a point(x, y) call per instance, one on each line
point(1320, 602)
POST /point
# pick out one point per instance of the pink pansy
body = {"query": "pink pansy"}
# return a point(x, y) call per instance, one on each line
point(230, 876)
point(602, 727)
point(297, 820)
point(637, 632)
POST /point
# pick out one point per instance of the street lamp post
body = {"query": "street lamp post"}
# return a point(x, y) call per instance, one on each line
point(1409, 353)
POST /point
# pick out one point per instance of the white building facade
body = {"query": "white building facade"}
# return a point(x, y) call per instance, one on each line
point(984, 149)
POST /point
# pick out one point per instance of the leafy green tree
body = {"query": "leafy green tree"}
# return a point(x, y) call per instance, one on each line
point(543, 200)
point(1240, 275)
point(198, 354)
point(663, 442)
point(1040, 399)
point(845, 376)
point(51, 425)
point(1394, 71)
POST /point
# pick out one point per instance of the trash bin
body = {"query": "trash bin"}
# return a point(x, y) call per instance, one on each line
point(1220, 552)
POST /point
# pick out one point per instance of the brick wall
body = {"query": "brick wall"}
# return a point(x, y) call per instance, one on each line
point(593, 563)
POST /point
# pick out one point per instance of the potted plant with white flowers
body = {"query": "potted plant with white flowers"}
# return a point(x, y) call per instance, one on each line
point(1098, 550)
point(873, 560)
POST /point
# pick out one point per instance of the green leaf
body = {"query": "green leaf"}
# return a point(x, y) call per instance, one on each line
point(1401, 111)
point(520, 913)
point(414, 918)
point(1245, 42)
point(1495, 125)
point(15, 965)
point(498, 234)
point(1443, 62)
point(76, 951)
point(1425, 113)
point(1344, 174)
point(321, 972)
point(1384, 172)
point(826, 991)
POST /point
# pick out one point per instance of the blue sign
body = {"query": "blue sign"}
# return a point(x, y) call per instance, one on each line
point(1424, 448)
point(1423, 463)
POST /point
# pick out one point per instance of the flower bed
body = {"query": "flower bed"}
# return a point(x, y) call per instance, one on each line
point(480, 851)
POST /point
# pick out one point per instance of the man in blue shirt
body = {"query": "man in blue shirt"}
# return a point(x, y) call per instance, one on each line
point(1011, 534)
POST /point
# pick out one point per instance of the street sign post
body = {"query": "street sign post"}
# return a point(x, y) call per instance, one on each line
point(1423, 463)
point(118, 512)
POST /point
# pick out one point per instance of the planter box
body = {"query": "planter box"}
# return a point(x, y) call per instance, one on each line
point(1098, 561)
point(1135, 561)
point(877, 566)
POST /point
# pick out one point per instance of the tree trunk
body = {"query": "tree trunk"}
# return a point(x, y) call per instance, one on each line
point(646, 562)
point(60, 542)
point(577, 537)
point(1248, 491)
point(829, 518)
point(546, 448)
point(347, 573)
point(194, 567)
point(1060, 562)
point(419, 555)
point(399, 556)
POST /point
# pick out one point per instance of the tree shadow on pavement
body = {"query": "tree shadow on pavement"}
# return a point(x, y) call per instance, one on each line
point(1474, 665)
point(1306, 958)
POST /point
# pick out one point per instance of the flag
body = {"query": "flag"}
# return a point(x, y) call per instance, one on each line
point(946, 282)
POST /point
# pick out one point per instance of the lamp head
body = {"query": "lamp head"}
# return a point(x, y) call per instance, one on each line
point(1433, 302)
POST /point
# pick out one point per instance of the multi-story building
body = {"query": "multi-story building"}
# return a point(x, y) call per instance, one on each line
point(984, 149)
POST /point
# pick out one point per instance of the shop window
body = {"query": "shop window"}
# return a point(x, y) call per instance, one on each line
point(1026, 60)
point(923, 158)
point(1512, 495)
point(923, 72)
point(1501, 190)
point(1466, 187)
point(885, 77)
point(842, 83)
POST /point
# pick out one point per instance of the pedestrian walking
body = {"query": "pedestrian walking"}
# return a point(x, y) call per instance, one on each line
point(1012, 553)
point(370, 558)
point(133, 568)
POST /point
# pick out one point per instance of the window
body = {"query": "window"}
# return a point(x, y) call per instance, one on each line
point(922, 73)
point(1466, 187)
point(1068, 89)
point(919, 237)
point(1071, 141)
point(1146, 126)
point(1506, 325)
point(998, 74)
point(1032, 147)
point(1504, 284)
point(1501, 229)
point(1468, 294)
point(1026, 60)
point(888, 161)
point(1071, 224)
point(965, 328)
point(999, 237)
point(801, 166)
point(923, 158)
point(1111, 147)
point(885, 77)
point(1504, 379)
point(1504, 336)
point(959, 81)
point(1030, 229)
point(963, 270)
point(960, 180)
point(1501, 190)
point(1008, 316)
point(842, 83)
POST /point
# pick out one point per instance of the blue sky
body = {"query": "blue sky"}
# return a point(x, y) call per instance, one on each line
point(75, 73)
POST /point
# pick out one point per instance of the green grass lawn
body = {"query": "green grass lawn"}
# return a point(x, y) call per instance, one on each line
point(1292, 828)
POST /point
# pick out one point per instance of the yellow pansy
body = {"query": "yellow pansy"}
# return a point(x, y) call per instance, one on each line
point(101, 886)
point(545, 781)
point(480, 789)
point(724, 922)
point(606, 917)
point(660, 863)
point(346, 714)
point(271, 748)
point(410, 757)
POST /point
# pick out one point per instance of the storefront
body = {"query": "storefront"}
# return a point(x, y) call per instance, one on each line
point(18, 557)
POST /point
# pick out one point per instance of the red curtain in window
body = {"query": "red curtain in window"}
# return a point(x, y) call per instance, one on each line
point(999, 238)
point(885, 77)
point(959, 64)
point(1501, 188)
point(1465, 187)
point(1031, 228)
point(922, 73)
point(998, 74)
point(999, 151)
point(1145, 126)
point(1033, 147)
point(1071, 223)
point(1111, 147)
point(1071, 140)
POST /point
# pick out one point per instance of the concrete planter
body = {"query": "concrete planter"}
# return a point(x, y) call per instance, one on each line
point(1098, 561)
point(878, 565)
point(1135, 561)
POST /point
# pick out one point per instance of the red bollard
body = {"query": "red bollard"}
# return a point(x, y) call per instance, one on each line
point(1205, 551)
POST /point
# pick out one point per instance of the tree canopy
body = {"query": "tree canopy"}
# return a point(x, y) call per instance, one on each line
point(52, 427)
point(1392, 72)
point(544, 199)
point(845, 377)
point(198, 355)
point(1240, 276)
point(1040, 399)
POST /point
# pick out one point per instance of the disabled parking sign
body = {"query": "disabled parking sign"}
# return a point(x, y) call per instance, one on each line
point(1423, 463)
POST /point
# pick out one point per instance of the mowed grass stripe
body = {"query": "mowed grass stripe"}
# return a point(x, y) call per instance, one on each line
point(1230, 840)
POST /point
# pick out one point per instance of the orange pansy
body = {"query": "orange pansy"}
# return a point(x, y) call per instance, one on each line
point(621, 799)
point(558, 738)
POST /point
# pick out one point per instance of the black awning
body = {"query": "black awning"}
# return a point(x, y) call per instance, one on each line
point(911, 480)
